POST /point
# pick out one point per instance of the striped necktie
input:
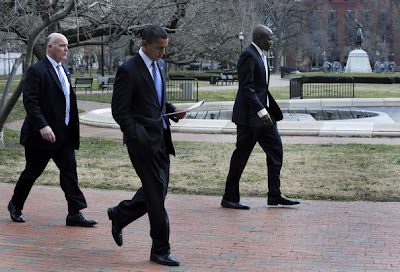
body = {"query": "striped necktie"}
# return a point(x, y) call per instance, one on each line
point(66, 93)
point(158, 85)
point(157, 81)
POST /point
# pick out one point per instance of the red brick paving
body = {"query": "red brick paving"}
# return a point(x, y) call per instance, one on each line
point(313, 236)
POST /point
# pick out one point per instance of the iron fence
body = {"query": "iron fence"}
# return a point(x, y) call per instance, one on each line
point(321, 87)
point(184, 89)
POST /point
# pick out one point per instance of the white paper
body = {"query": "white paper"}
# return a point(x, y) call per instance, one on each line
point(198, 104)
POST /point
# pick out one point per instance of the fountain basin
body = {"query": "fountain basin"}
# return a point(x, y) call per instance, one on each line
point(385, 124)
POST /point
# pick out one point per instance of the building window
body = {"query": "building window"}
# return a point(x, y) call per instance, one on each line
point(383, 27)
point(367, 24)
point(315, 21)
point(349, 27)
point(333, 28)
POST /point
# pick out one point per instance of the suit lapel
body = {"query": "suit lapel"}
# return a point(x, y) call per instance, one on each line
point(260, 62)
point(147, 77)
point(53, 74)
point(67, 73)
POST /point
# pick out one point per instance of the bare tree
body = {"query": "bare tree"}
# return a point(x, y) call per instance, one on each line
point(286, 19)
point(82, 22)
point(210, 29)
point(30, 41)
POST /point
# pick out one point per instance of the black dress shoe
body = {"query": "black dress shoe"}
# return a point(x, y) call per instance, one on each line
point(282, 200)
point(15, 213)
point(116, 230)
point(166, 259)
point(80, 220)
point(234, 205)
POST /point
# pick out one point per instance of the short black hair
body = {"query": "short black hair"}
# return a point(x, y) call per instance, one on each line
point(154, 32)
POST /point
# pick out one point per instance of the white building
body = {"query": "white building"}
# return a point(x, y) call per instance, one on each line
point(7, 61)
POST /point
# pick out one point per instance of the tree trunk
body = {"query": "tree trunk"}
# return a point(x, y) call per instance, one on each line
point(31, 43)
point(5, 109)
point(277, 57)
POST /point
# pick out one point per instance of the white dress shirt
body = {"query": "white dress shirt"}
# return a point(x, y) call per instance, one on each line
point(264, 111)
point(54, 64)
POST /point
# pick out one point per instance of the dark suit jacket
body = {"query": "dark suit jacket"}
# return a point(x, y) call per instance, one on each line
point(253, 91)
point(135, 105)
point(44, 102)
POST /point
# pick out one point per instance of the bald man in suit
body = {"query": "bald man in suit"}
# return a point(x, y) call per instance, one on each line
point(255, 114)
point(50, 131)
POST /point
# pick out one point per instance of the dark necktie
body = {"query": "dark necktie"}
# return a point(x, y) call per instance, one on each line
point(66, 93)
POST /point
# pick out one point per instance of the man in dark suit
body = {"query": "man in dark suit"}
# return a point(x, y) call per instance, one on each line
point(138, 106)
point(255, 114)
point(50, 131)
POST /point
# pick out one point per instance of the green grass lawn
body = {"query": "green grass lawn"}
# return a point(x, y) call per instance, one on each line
point(336, 172)
point(314, 171)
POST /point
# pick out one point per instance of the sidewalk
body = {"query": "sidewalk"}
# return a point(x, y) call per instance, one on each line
point(313, 236)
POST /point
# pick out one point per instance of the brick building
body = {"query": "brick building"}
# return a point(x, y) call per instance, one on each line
point(380, 22)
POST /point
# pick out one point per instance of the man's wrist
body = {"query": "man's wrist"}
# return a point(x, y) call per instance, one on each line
point(262, 113)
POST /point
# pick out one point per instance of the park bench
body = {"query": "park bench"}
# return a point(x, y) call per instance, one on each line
point(84, 83)
point(222, 79)
point(231, 79)
point(105, 83)
point(321, 87)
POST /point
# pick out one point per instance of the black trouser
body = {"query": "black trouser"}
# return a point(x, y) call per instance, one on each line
point(36, 162)
point(270, 141)
point(153, 171)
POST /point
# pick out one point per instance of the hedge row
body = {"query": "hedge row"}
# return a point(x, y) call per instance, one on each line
point(198, 75)
point(371, 78)
point(377, 80)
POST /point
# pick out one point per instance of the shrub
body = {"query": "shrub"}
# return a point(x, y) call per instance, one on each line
point(198, 75)
point(377, 80)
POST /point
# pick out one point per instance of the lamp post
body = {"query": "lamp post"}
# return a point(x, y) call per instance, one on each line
point(241, 38)
point(8, 58)
point(102, 56)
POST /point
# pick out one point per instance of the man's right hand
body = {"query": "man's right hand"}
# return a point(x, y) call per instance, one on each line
point(48, 134)
point(266, 119)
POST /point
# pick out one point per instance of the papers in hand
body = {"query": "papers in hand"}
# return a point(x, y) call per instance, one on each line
point(198, 104)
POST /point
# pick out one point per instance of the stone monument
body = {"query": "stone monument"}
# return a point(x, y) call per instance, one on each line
point(358, 61)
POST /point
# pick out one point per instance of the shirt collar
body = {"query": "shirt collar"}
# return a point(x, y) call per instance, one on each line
point(145, 58)
point(258, 49)
point(53, 62)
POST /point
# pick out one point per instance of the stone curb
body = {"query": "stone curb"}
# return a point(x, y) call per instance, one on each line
point(103, 118)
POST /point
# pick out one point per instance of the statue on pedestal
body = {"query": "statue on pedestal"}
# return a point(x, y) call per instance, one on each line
point(358, 61)
point(359, 36)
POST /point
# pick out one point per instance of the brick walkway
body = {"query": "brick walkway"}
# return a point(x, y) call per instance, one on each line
point(314, 236)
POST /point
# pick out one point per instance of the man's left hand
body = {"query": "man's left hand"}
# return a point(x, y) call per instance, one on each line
point(266, 119)
point(180, 115)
